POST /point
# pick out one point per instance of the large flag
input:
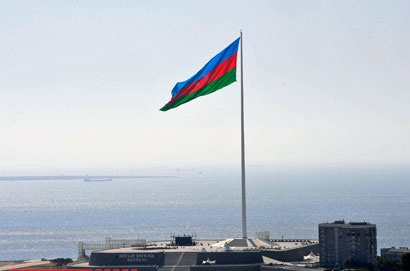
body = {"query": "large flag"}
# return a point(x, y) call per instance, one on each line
point(219, 72)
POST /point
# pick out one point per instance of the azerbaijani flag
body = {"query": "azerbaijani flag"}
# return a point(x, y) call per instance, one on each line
point(219, 72)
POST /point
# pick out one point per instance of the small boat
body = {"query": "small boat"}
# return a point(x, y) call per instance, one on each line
point(88, 179)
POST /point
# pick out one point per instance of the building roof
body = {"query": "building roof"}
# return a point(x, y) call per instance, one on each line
point(342, 224)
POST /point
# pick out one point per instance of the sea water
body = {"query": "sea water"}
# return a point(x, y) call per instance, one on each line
point(47, 218)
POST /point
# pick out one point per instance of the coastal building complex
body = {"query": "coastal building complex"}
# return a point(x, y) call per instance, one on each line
point(340, 241)
point(187, 253)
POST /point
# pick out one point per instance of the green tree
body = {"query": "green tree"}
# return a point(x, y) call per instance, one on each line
point(353, 264)
point(405, 261)
point(59, 262)
point(386, 264)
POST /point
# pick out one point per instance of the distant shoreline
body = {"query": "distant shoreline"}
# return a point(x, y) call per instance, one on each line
point(79, 177)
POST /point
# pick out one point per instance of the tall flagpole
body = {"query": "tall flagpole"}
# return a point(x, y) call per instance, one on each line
point(244, 235)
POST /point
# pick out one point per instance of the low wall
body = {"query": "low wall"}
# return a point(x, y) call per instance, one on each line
point(134, 268)
point(281, 268)
point(236, 267)
point(122, 268)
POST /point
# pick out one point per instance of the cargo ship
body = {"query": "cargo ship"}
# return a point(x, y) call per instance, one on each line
point(88, 179)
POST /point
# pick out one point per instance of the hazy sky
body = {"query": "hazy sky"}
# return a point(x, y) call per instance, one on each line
point(327, 83)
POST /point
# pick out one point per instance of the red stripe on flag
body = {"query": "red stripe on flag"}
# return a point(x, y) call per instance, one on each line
point(218, 72)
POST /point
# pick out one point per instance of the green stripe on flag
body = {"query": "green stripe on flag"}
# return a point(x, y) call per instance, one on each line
point(219, 83)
